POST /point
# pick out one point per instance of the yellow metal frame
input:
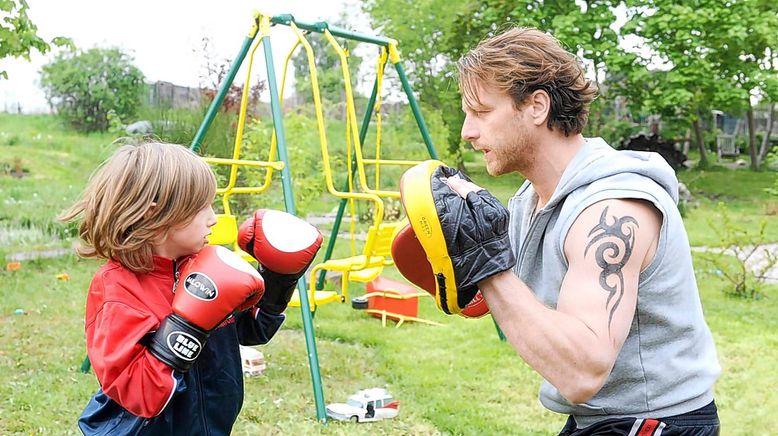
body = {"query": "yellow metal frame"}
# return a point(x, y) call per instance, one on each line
point(322, 297)
point(376, 253)
point(396, 316)
point(225, 232)
point(351, 115)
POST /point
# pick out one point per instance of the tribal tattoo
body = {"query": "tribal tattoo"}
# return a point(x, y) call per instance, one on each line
point(609, 240)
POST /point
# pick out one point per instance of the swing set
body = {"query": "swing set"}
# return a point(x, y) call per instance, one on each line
point(362, 266)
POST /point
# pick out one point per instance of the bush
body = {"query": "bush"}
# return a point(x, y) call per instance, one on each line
point(743, 270)
point(85, 86)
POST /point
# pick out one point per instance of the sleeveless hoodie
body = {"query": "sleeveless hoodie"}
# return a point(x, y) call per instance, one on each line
point(668, 363)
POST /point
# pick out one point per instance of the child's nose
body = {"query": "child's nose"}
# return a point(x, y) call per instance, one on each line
point(212, 219)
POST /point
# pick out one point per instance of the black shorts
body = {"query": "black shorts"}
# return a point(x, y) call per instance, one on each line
point(701, 422)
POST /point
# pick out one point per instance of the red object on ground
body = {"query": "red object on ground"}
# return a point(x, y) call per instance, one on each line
point(395, 300)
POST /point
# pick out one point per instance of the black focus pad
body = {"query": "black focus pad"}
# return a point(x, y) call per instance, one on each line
point(476, 233)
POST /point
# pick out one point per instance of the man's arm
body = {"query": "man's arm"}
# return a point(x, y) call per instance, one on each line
point(575, 346)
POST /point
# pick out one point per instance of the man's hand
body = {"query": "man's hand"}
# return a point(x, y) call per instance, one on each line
point(465, 238)
point(462, 186)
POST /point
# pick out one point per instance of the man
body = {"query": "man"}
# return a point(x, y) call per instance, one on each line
point(602, 300)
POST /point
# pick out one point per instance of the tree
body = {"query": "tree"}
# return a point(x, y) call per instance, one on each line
point(212, 77)
point(744, 43)
point(688, 85)
point(427, 40)
point(435, 33)
point(718, 55)
point(19, 35)
point(86, 86)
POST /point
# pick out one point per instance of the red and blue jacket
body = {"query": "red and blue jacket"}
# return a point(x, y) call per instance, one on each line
point(141, 395)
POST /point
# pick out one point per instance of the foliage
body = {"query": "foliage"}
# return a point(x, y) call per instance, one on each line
point(452, 29)
point(426, 36)
point(178, 126)
point(19, 35)
point(214, 72)
point(303, 152)
point(744, 42)
point(745, 278)
point(85, 86)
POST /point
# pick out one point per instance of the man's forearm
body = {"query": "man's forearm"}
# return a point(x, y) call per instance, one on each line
point(562, 348)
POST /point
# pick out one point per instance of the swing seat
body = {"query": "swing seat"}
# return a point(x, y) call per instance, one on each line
point(361, 268)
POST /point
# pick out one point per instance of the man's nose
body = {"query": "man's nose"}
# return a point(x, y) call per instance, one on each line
point(469, 131)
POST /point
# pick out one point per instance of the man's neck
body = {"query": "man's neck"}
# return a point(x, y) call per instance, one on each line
point(552, 157)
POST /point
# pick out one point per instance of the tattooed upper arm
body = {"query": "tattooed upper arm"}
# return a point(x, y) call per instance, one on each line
point(606, 248)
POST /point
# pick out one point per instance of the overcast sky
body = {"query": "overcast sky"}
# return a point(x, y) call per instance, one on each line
point(164, 36)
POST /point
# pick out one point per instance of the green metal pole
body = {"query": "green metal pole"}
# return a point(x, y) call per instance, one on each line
point(286, 19)
point(219, 98)
point(302, 285)
point(416, 111)
point(342, 206)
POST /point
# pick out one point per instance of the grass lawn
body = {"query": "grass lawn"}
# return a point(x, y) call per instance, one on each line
point(454, 379)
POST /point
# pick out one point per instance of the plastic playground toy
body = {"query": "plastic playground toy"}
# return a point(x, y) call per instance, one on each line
point(365, 406)
point(252, 360)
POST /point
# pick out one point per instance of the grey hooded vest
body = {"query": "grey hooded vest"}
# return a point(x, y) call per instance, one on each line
point(668, 363)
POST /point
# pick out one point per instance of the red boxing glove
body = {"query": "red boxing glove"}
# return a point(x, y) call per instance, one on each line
point(411, 260)
point(212, 285)
point(279, 241)
point(285, 246)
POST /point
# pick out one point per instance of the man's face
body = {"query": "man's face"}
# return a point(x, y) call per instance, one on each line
point(500, 131)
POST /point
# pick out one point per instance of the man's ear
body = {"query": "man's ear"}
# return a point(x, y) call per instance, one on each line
point(540, 107)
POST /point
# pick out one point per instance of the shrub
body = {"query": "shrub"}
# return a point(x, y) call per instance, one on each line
point(85, 86)
point(745, 272)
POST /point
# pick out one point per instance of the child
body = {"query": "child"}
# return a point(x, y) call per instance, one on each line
point(164, 350)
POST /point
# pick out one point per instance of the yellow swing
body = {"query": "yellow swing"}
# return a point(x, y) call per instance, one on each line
point(376, 252)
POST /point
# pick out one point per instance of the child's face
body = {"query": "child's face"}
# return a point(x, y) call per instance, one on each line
point(190, 238)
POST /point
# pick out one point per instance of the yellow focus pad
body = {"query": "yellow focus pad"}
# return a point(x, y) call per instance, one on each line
point(419, 204)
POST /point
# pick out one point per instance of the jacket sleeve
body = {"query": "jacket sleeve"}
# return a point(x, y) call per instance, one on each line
point(256, 327)
point(128, 373)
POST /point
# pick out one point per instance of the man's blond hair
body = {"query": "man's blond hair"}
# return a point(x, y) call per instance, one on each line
point(521, 61)
point(135, 197)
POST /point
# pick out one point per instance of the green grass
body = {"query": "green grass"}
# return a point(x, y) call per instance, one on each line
point(56, 164)
point(743, 193)
point(454, 379)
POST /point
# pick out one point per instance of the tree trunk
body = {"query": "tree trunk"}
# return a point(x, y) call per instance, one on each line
point(752, 137)
point(766, 140)
point(598, 122)
point(687, 141)
point(697, 127)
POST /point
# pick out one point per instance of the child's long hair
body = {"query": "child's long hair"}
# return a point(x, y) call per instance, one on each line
point(135, 197)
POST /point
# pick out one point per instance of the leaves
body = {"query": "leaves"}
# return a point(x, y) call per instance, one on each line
point(19, 35)
point(85, 86)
